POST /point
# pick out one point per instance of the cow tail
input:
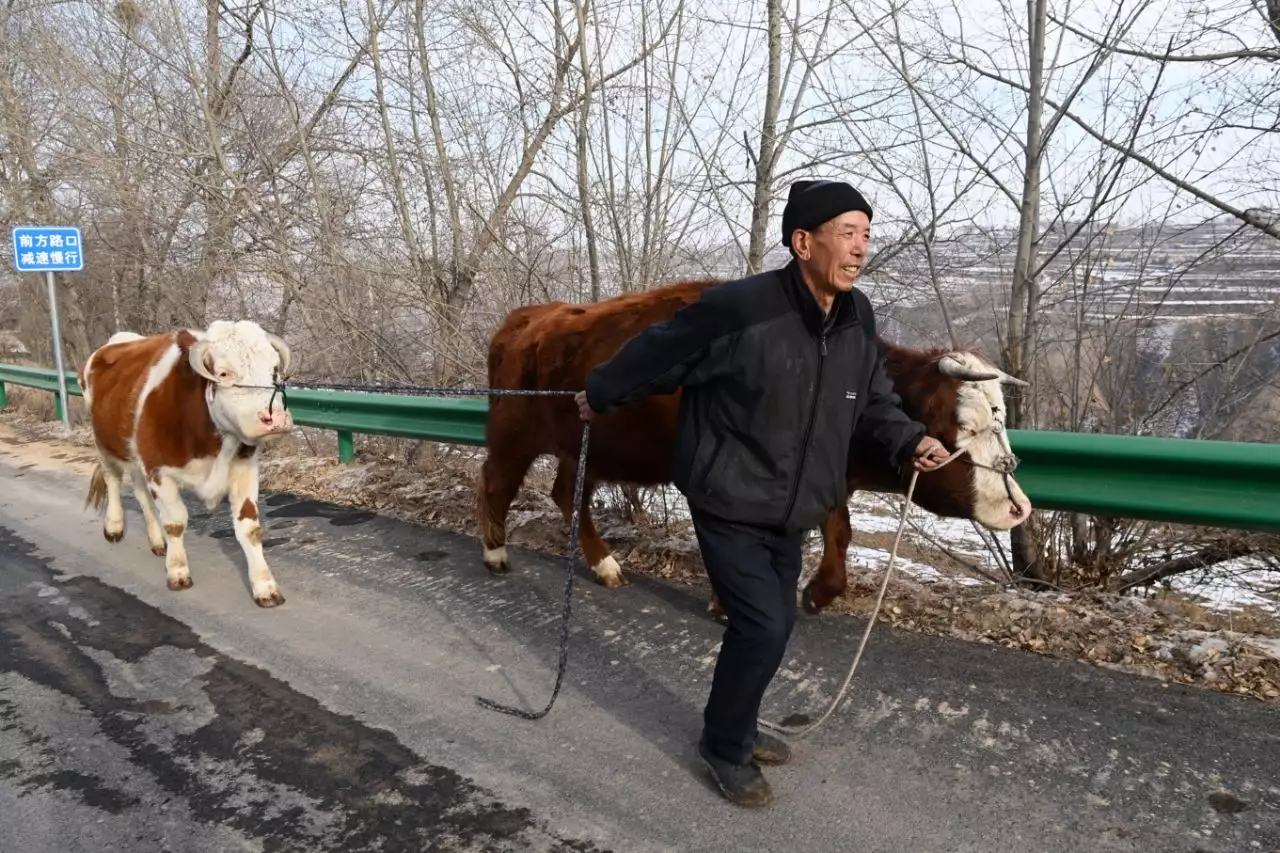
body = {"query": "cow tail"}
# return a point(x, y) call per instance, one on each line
point(97, 488)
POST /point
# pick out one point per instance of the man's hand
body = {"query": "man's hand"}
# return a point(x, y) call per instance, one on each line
point(584, 408)
point(930, 453)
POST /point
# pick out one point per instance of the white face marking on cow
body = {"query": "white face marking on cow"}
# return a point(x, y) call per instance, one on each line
point(245, 363)
point(980, 415)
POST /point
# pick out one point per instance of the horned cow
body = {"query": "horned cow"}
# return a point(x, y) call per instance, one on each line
point(552, 346)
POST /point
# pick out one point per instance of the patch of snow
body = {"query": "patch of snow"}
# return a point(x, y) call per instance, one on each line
point(1208, 649)
point(1267, 645)
point(1233, 586)
point(877, 558)
point(866, 522)
point(875, 513)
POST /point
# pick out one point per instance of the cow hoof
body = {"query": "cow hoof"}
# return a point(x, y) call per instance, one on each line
point(715, 611)
point(612, 581)
point(180, 583)
point(609, 573)
point(810, 606)
point(496, 561)
point(158, 550)
point(111, 536)
point(274, 599)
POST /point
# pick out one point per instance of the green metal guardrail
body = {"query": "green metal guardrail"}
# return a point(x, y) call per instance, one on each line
point(1210, 483)
point(449, 419)
point(36, 377)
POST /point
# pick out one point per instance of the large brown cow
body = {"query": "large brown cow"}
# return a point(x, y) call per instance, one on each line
point(187, 410)
point(957, 395)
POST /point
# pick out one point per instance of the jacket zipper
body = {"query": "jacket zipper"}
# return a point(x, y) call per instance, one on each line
point(808, 430)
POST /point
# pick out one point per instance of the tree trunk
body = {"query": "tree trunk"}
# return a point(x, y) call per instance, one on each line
point(1020, 346)
point(584, 184)
point(766, 156)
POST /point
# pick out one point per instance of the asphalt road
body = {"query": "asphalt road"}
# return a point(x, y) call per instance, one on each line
point(138, 719)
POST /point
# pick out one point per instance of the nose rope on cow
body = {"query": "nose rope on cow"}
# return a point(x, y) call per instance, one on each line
point(1008, 463)
point(1005, 465)
point(277, 389)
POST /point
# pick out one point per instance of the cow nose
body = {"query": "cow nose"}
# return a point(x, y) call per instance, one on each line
point(276, 419)
point(1019, 511)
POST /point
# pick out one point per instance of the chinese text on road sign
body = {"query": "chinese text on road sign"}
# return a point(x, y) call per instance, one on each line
point(47, 249)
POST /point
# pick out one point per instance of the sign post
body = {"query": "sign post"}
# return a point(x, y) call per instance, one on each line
point(50, 250)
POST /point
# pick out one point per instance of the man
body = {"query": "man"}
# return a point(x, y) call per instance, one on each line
point(779, 370)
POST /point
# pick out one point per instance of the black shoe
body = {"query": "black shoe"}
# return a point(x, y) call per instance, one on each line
point(742, 784)
point(771, 750)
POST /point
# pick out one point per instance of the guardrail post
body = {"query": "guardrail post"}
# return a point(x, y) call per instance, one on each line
point(3, 401)
point(57, 406)
point(346, 448)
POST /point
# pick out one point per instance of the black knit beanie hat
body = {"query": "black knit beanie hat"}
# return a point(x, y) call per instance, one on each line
point(811, 203)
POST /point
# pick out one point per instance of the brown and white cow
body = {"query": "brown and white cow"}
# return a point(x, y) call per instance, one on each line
point(187, 410)
point(957, 395)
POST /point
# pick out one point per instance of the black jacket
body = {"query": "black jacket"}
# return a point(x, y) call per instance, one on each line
point(773, 394)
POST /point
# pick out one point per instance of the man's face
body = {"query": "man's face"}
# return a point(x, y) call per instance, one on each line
point(833, 255)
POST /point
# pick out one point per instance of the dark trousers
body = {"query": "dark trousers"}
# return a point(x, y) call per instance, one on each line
point(754, 572)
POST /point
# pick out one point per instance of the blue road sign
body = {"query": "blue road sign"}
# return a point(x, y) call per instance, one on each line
point(47, 249)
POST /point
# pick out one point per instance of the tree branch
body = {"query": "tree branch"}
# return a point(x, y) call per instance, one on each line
point(1210, 555)
point(1267, 54)
point(1250, 217)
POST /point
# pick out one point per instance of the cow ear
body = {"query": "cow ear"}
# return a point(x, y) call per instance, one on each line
point(202, 360)
point(286, 356)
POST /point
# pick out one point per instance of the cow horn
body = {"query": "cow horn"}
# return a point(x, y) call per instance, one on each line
point(286, 356)
point(1013, 380)
point(198, 355)
point(951, 366)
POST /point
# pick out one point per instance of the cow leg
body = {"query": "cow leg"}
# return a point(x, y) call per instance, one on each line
point(242, 497)
point(173, 515)
point(113, 527)
point(831, 579)
point(155, 535)
point(496, 487)
point(594, 549)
